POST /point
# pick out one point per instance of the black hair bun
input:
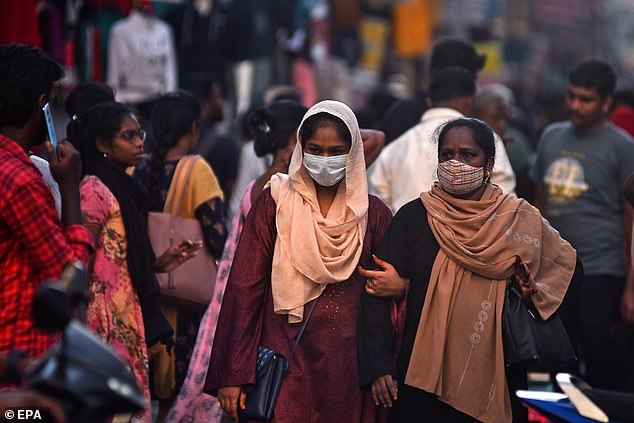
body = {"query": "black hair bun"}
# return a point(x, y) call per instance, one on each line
point(261, 122)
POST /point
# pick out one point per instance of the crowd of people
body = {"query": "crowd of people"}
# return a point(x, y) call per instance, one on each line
point(389, 263)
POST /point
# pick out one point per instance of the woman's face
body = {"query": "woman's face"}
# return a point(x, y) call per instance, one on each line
point(326, 142)
point(459, 144)
point(126, 148)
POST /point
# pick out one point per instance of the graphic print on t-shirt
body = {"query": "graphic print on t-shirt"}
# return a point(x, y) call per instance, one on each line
point(565, 180)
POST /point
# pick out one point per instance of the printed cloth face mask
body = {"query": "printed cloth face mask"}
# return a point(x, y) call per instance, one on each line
point(456, 177)
point(326, 171)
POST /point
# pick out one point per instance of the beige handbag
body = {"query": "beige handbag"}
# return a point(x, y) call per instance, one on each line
point(191, 284)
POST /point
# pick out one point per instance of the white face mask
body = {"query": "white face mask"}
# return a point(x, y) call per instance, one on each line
point(326, 171)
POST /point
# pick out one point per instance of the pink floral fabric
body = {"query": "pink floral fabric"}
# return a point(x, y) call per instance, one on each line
point(113, 311)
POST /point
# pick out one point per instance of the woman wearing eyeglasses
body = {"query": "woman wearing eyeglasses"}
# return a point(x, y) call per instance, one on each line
point(175, 126)
point(123, 307)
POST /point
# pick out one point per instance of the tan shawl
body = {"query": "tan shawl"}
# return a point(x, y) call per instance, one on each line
point(458, 353)
point(311, 250)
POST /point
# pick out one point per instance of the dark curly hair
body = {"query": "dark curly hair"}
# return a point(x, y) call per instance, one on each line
point(594, 73)
point(274, 125)
point(26, 73)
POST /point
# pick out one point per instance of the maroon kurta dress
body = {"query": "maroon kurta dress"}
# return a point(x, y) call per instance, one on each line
point(322, 383)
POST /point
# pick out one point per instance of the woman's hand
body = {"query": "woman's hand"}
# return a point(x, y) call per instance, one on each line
point(229, 398)
point(384, 390)
point(176, 255)
point(384, 282)
point(523, 278)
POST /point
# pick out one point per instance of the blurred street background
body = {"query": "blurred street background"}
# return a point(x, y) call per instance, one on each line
point(364, 52)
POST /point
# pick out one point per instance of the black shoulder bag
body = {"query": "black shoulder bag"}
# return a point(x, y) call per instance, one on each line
point(271, 368)
point(530, 342)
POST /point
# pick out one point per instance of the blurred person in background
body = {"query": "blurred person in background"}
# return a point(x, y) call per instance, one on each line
point(377, 105)
point(275, 129)
point(448, 52)
point(35, 244)
point(86, 95)
point(551, 108)
point(251, 165)
point(492, 108)
point(175, 125)
point(218, 148)
point(581, 169)
point(124, 306)
point(407, 166)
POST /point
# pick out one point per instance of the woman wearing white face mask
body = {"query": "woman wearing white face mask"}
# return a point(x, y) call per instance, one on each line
point(458, 244)
point(300, 246)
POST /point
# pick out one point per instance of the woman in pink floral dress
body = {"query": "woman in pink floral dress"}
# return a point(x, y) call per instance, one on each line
point(123, 306)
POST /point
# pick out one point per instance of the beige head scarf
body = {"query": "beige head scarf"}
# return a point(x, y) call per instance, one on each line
point(458, 353)
point(312, 251)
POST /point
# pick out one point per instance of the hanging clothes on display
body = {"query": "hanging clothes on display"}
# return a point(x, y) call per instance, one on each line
point(91, 54)
point(141, 58)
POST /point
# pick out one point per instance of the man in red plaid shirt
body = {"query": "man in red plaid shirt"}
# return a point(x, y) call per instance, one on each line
point(34, 244)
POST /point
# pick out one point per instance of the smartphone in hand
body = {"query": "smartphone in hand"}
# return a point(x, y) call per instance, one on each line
point(48, 117)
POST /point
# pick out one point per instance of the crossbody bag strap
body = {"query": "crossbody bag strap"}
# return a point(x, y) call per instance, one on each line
point(301, 331)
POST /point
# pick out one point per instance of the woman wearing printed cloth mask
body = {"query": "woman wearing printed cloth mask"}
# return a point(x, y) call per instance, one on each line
point(458, 245)
point(302, 242)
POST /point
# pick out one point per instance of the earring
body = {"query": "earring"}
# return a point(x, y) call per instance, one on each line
point(105, 155)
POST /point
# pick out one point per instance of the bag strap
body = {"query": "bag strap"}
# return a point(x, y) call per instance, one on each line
point(178, 184)
point(301, 331)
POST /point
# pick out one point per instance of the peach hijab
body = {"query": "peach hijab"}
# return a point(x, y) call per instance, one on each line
point(311, 250)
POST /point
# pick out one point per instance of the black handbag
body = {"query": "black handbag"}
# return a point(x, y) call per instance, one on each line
point(530, 342)
point(271, 368)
